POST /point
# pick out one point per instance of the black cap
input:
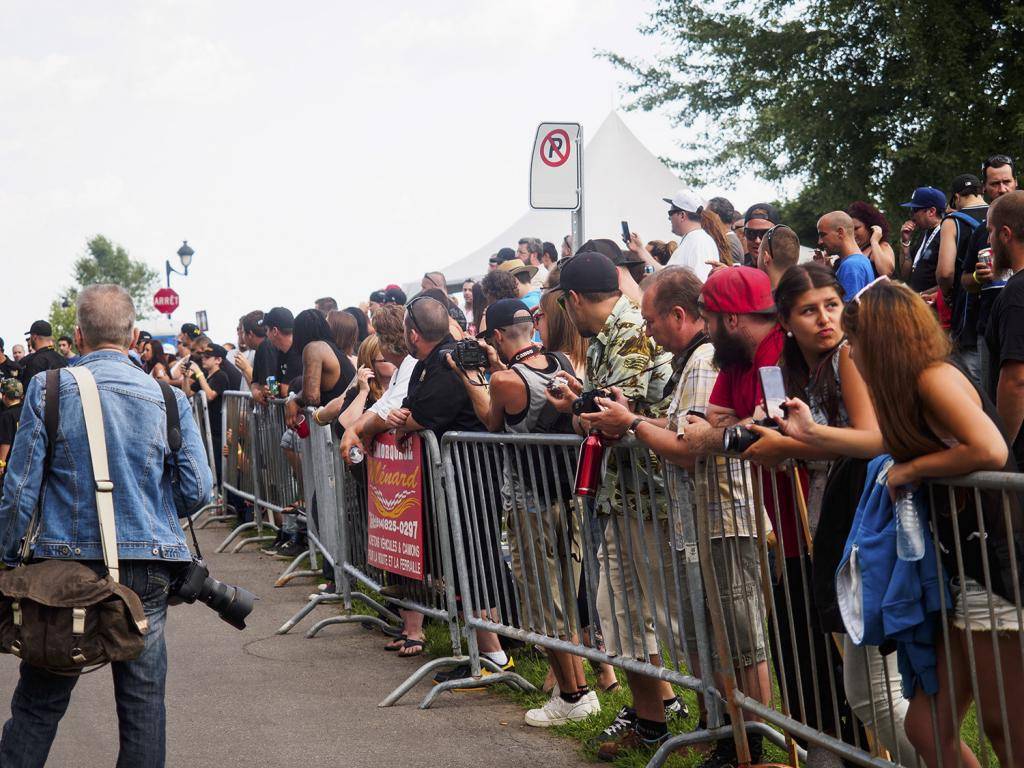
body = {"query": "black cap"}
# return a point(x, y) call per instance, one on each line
point(191, 331)
point(503, 313)
point(40, 328)
point(278, 317)
point(216, 350)
point(588, 272)
point(611, 249)
point(965, 183)
point(395, 296)
point(765, 211)
point(1, 345)
point(504, 254)
point(145, 335)
point(378, 297)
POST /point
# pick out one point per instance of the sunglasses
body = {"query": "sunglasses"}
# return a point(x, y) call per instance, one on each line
point(673, 211)
point(755, 234)
point(538, 316)
point(872, 284)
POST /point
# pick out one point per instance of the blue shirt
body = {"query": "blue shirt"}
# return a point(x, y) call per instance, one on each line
point(854, 272)
point(138, 456)
point(532, 299)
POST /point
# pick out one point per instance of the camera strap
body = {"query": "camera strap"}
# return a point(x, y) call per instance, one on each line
point(524, 353)
point(174, 442)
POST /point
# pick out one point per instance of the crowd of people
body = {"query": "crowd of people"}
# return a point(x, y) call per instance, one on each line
point(911, 348)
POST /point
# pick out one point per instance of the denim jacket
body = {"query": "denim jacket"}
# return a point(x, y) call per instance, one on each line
point(138, 457)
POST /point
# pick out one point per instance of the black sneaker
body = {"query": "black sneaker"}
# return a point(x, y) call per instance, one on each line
point(624, 722)
point(456, 673)
point(290, 550)
point(279, 541)
point(722, 756)
point(677, 710)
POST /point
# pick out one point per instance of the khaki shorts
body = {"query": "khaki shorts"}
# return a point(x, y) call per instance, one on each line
point(544, 544)
point(738, 575)
point(971, 607)
point(637, 599)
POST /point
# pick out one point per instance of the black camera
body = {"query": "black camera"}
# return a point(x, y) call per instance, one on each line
point(587, 402)
point(738, 438)
point(469, 356)
point(194, 582)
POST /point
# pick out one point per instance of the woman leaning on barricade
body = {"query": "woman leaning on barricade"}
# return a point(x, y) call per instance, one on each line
point(935, 423)
point(817, 367)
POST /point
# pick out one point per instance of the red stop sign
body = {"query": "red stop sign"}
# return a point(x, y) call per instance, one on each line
point(165, 301)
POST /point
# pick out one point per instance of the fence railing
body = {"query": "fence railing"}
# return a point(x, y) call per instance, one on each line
point(726, 579)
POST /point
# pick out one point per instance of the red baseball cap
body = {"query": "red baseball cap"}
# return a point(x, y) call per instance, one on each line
point(737, 291)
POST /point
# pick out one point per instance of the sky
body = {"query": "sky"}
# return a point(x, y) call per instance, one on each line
point(302, 149)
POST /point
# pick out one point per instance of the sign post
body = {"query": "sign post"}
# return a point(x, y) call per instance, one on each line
point(165, 301)
point(556, 172)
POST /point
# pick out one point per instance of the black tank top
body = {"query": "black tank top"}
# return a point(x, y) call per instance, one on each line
point(348, 372)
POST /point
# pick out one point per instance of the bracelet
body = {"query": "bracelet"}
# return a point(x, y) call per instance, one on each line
point(316, 418)
point(974, 274)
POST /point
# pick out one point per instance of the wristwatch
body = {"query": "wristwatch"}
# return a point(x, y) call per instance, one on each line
point(636, 423)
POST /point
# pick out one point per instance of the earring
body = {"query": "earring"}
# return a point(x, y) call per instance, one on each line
point(790, 334)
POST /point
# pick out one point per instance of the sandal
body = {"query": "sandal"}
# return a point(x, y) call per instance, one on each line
point(415, 648)
point(396, 643)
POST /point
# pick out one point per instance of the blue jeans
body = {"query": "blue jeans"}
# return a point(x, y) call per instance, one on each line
point(41, 698)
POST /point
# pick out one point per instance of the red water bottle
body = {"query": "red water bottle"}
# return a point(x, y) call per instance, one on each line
point(590, 465)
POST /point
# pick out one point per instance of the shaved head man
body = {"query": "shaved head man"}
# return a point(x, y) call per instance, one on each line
point(779, 250)
point(835, 237)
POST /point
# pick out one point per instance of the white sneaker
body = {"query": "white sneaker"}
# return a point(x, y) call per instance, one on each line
point(558, 711)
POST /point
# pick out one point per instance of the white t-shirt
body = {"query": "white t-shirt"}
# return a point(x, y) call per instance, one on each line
point(695, 249)
point(394, 395)
point(540, 278)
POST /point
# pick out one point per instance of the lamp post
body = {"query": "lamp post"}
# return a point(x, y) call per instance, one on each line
point(185, 254)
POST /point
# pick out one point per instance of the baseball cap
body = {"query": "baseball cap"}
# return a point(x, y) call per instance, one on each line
point(503, 313)
point(12, 388)
point(765, 211)
point(145, 335)
point(394, 295)
point(278, 317)
point(216, 350)
point(611, 249)
point(926, 197)
point(191, 330)
point(739, 291)
point(588, 272)
point(516, 266)
point(504, 254)
point(378, 297)
point(685, 200)
point(965, 183)
point(40, 328)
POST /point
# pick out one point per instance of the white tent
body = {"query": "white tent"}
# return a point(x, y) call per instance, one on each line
point(622, 181)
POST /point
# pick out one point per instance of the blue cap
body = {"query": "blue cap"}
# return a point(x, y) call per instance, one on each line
point(927, 197)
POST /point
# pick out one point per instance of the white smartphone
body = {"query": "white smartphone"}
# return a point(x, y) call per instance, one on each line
point(774, 390)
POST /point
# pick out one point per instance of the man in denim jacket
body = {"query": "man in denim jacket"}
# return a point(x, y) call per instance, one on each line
point(151, 543)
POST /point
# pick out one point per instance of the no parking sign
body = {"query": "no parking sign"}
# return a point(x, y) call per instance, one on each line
point(556, 167)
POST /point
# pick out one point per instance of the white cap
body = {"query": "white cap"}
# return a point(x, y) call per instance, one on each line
point(685, 200)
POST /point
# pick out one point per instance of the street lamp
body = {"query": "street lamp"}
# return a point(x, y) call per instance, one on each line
point(185, 254)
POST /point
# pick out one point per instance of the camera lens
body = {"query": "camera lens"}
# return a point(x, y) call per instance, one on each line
point(232, 604)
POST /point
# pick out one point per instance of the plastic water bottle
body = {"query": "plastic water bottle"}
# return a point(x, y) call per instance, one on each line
point(909, 531)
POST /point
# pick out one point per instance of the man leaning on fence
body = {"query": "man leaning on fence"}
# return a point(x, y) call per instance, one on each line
point(721, 493)
point(543, 533)
point(151, 543)
point(634, 558)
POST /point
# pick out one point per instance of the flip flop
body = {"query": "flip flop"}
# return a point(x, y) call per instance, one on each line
point(399, 639)
point(416, 645)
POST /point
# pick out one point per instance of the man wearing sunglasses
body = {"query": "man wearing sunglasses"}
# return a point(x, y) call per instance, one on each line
point(757, 221)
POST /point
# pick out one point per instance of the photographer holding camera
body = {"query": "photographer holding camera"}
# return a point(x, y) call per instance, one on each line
point(543, 533)
point(150, 541)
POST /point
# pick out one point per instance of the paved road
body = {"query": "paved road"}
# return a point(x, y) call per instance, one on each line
point(253, 699)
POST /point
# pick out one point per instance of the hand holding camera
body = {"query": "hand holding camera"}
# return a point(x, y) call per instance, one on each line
point(563, 390)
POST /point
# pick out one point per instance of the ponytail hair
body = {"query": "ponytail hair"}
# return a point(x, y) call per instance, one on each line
point(712, 224)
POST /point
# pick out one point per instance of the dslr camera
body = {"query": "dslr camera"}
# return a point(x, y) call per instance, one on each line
point(737, 439)
point(587, 401)
point(469, 356)
point(194, 582)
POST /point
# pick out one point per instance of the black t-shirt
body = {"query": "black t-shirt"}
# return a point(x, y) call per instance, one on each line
point(289, 364)
point(1005, 340)
point(234, 375)
point(9, 423)
point(983, 300)
point(264, 362)
point(40, 361)
point(9, 369)
point(436, 396)
point(923, 276)
point(964, 327)
point(218, 383)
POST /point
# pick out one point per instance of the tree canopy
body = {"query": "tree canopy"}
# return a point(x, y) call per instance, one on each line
point(856, 100)
point(103, 262)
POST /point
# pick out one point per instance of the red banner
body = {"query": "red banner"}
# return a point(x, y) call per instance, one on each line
point(394, 506)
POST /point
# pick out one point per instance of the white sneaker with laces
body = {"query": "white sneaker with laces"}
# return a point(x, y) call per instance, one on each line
point(557, 711)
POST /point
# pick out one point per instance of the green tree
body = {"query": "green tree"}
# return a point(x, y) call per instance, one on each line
point(856, 100)
point(103, 262)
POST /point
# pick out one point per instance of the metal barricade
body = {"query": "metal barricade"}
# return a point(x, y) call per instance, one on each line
point(241, 462)
point(637, 566)
point(201, 412)
point(828, 691)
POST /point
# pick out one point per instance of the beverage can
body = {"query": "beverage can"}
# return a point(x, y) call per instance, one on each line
point(355, 454)
point(273, 386)
point(985, 256)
